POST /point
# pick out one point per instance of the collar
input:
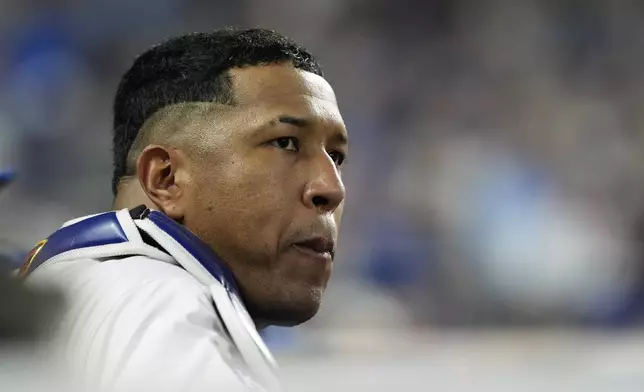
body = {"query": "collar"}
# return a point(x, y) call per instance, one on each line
point(125, 233)
point(141, 231)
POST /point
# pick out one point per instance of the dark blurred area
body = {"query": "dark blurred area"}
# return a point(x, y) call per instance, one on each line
point(496, 175)
point(25, 314)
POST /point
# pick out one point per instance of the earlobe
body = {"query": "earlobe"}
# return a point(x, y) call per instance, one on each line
point(158, 169)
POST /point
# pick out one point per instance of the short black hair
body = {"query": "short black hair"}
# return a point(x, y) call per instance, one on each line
point(192, 68)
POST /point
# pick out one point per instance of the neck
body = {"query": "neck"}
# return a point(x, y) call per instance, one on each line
point(260, 324)
point(130, 195)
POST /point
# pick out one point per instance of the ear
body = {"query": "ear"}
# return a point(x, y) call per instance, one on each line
point(162, 175)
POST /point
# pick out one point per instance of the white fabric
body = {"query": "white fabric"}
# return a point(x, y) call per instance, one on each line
point(141, 323)
point(230, 309)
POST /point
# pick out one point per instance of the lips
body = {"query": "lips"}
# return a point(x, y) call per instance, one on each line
point(318, 247)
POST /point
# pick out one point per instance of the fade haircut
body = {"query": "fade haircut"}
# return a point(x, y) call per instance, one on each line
point(192, 68)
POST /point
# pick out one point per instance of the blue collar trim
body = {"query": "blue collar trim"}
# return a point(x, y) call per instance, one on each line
point(105, 229)
point(197, 248)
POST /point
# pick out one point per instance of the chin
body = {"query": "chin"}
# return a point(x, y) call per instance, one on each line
point(286, 310)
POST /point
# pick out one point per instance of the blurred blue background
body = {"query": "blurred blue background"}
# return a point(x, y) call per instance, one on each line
point(496, 175)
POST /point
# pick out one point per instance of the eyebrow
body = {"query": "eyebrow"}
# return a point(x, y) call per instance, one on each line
point(296, 121)
point(299, 122)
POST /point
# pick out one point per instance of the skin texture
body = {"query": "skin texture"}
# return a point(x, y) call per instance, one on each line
point(251, 180)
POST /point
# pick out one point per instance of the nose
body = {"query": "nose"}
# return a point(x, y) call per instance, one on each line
point(324, 190)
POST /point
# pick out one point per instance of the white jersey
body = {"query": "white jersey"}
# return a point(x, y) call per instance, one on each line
point(150, 307)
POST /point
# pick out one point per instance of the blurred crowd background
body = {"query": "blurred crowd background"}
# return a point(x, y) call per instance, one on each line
point(496, 176)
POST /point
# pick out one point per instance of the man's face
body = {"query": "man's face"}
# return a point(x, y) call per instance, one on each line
point(266, 190)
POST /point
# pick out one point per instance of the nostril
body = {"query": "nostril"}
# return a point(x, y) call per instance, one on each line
point(320, 201)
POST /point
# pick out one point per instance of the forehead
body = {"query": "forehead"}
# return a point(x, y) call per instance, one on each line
point(284, 88)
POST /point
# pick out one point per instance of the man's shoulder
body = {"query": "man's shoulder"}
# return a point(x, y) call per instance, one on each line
point(113, 288)
point(124, 273)
point(147, 313)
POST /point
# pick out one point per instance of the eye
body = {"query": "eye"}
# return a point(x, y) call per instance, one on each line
point(337, 157)
point(286, 143)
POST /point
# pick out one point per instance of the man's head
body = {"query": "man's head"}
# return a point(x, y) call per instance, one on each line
point(236, 135)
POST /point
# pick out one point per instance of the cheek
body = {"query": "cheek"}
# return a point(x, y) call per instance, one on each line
point(337, 215)
point(245, 202)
